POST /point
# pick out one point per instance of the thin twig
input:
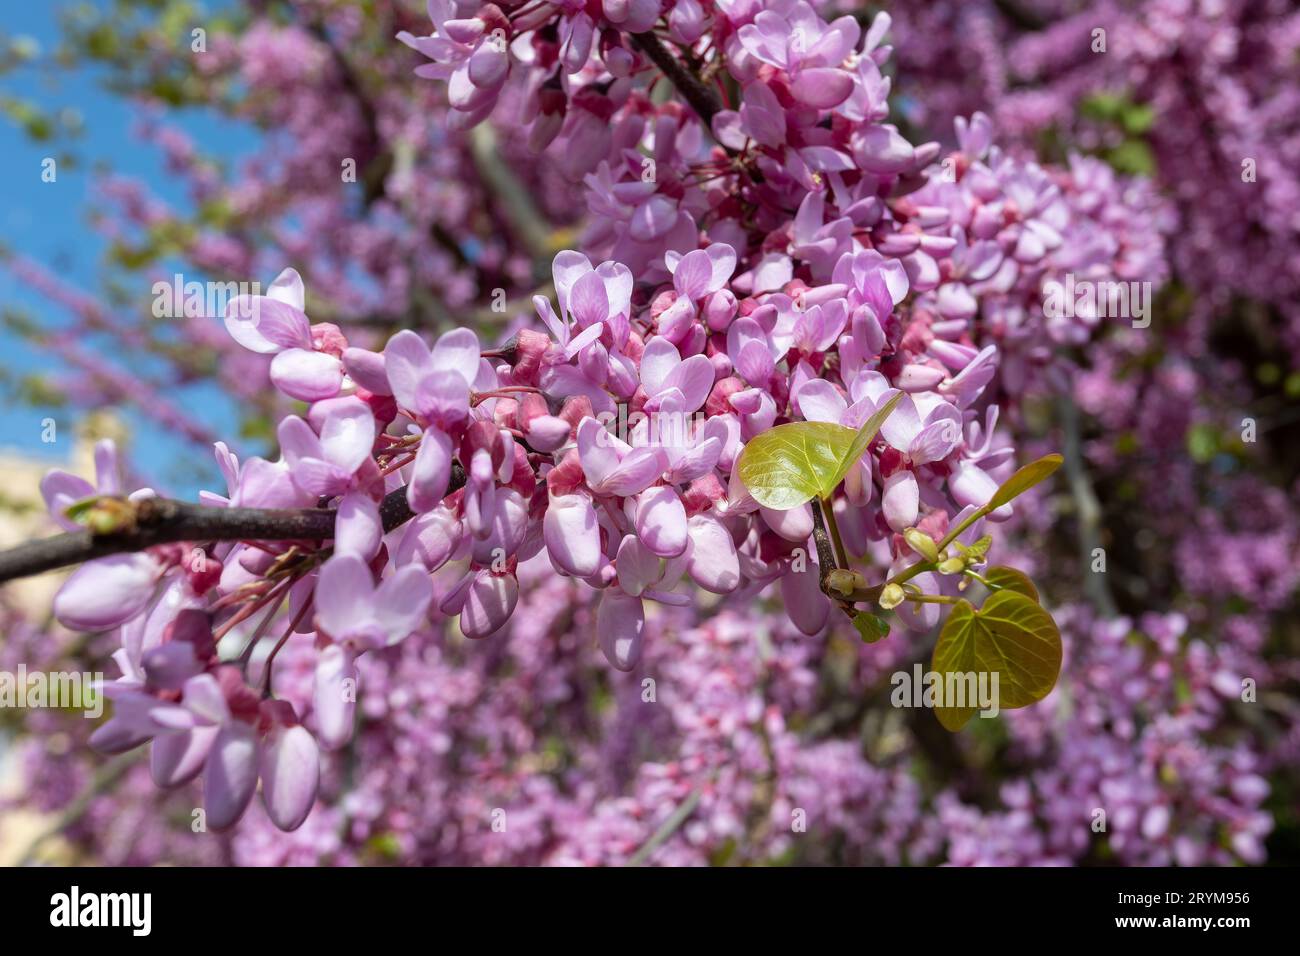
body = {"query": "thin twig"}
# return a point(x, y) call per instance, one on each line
point(104, 778)
point(825, 550)
point(166, 521)
point(678, 817)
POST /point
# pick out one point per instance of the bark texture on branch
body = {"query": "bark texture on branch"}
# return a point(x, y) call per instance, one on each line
point(701, 97)
point(165, 521)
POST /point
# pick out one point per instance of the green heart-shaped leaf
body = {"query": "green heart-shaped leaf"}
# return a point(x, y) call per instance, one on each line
point(1024, 479)
point(1011, 636)
point(1010, 579)
point(791, 464)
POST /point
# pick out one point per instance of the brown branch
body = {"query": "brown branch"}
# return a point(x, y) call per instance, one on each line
point(165, 521)
point(701, 97)
point(514, 200)
point(828, 563)
point(825, 550)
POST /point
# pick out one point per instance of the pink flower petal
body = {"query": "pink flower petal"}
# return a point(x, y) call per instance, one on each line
point(822, 87)
point(367, 369)
point(572, 535)
point(638, 567)
point(262, 324)
point(288, 288)
point(177, 758)
point(901, 501)
point(640, 468)
point(334, 695)
point(60, 490)
point(430, 473)
point(344, 596)
point(231, 775)
point(106, 593)
point(489, 604)
point(290, 771)
point(694, 379)
point(348, 435)
point(805, 602)
point(456, 353)
point(407, 361)
point(661, 521)
point(620, 628)
point(713, 563)
point(402, 601)
point(306, 375)
point(357, 528)
point(657, 361)
point(820, 401)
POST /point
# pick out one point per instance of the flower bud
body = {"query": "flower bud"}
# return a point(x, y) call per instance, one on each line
point(844, 582)
point(922, 543)
point(952, 566)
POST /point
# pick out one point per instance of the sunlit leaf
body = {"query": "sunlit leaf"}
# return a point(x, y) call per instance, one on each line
point(1010, 636)
point(1024, 479)
point(791, 464)
point(1010, 579)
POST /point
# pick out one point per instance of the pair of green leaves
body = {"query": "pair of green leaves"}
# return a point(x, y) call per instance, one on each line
point(791, 464)
point(1011, 635)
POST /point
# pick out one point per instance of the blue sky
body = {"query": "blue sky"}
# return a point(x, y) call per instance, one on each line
point(48, 222)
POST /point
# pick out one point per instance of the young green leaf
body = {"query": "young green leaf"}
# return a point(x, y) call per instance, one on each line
point(78, 509)
point(1024, 479)
point(1010, 636)
point(793, 463)
point(1010, 579)
point(871, 627)
point(977, 550)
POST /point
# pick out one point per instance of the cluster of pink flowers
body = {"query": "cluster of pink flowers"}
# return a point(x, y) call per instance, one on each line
point(810, 330)
point(1214, 117)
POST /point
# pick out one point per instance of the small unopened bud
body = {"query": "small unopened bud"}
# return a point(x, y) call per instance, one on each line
point(843, 582)
point(922, 543)
point(104, 515)
point(952, 566)
point(892, 596)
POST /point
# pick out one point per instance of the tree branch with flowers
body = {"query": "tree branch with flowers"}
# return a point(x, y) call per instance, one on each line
point(776, 269)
